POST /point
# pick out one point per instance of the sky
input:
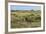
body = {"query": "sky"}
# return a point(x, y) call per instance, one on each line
point(21, 7)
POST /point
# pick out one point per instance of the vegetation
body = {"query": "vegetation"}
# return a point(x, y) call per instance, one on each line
point(25, 18)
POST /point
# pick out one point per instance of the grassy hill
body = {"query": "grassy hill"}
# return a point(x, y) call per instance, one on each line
point(25, 19)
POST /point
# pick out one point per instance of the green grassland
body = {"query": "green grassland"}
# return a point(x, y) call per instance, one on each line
point(25, 18)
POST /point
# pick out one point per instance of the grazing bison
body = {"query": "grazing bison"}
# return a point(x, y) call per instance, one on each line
point(28, 19)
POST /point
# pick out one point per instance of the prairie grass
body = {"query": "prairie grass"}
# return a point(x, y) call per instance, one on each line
point(25, 19)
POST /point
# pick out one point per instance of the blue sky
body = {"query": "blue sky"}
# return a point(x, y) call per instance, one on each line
point(20, 7)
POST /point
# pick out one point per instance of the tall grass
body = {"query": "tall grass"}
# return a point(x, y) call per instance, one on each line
point(25, 19)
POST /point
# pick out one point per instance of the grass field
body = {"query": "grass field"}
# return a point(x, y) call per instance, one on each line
point(25, 19)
